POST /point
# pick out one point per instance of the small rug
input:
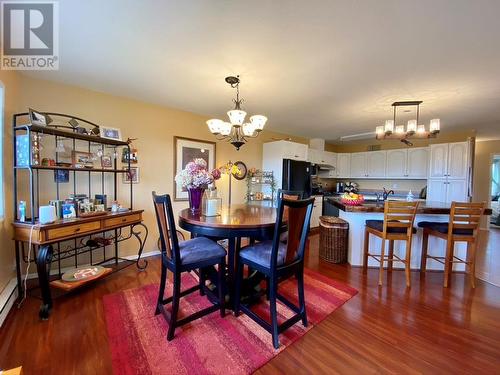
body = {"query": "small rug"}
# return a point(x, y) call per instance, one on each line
point(210, 345)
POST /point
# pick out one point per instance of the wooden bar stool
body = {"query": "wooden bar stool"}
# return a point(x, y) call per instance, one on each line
point(465, 219)
point(396, 226)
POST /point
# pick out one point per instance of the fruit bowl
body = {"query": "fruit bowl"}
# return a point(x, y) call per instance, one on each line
point(353, 202)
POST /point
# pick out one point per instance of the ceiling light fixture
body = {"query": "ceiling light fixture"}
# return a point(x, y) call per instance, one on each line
point(236, 131)
point(390, 129)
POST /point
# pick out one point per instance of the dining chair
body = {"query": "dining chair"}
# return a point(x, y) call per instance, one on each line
point(463, 226)
point(185, 256)
point(396, 226)
point(279, 261)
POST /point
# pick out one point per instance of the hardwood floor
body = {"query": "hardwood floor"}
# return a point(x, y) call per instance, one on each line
point(390, 329)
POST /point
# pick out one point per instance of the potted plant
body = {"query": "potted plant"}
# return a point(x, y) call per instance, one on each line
point(195, 178)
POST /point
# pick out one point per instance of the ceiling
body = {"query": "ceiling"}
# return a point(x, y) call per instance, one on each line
point(315, 68)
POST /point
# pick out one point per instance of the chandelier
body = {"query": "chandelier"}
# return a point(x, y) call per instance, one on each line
point(236, 131)
point(390, 130)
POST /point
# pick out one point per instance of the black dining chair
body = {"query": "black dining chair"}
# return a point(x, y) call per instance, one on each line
point(279, 261)
point(185, 256)
point(290, 194)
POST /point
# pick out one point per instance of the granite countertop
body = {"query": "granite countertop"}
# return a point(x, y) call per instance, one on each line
point(425, 207)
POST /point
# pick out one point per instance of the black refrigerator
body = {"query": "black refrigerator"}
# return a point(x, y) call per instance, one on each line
point(297, 176)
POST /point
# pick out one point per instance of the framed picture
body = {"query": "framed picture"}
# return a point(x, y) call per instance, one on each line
point(132, 176)
point(132, 156)
point(61, 175)
point(37, 118)
point(82, 159)
point(106, 161)
point(187, 149)
point(110, 133)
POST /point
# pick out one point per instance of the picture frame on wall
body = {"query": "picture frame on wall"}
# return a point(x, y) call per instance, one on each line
point(132, 176)
point(185, 150)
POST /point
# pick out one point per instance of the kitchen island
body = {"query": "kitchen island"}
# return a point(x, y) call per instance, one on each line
point(356, 216)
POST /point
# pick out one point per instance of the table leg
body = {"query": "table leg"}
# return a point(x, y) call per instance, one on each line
point(43, 268)
point(231, 249)
point(18, 273)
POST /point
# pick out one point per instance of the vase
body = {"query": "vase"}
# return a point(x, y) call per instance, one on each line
point(195, 195)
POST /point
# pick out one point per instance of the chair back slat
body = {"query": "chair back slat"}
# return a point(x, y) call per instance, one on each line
point(400, 214)
point(169, 244)
point(290, 195)
point(465, 215)
point(299, 217)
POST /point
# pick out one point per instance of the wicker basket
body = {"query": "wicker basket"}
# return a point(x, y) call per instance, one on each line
point(333, 239)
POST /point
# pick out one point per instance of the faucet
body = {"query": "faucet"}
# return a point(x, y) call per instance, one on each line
point(386, 193)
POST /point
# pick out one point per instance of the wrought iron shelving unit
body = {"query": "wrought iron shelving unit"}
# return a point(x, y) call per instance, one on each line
point(70, 238)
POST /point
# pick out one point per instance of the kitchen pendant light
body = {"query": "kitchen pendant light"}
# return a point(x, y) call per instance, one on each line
point(390, 129)
point(236, 131)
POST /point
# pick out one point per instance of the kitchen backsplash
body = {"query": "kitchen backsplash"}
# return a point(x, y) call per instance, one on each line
point(400, 185)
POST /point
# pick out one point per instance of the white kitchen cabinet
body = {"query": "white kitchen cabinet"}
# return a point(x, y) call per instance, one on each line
point(397, 163)
point(438, 165)
point(456, 190)
point(417, 162)
point(436, 190)
point(330, 158)
point(358, 164)
point(293, 150)
point(449, 160)
point(313, 156)
point(317, 211)
point(375, 164)
point(457, 160)
point(343, 165)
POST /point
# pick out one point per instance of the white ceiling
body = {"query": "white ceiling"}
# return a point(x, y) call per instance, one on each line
point(315, 68)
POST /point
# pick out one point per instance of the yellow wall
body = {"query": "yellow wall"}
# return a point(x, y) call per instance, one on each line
point(9, 80)
point(153, 125)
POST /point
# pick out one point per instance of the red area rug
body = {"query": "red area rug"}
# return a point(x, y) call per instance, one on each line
point(210, 345)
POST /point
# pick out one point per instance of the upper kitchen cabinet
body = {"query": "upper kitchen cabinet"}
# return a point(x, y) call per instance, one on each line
point(449, 160)
point(417, 165)
point(407, 163)
point(286, 150)
point(313, 156)
point(375, 164)
point(343, 165)
point(358, 164)
point(322, 157)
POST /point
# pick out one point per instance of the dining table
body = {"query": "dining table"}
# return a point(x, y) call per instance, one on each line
point(234, 222)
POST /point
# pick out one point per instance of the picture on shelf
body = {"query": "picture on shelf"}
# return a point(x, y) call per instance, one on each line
point(82, 159)
point(132, 176)
point(106, 161)
point(110, 133)
point(61, 175)
point(132, 156)
point(37, 118)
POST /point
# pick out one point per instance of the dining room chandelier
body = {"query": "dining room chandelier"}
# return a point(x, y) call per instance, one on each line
point(391, 130)
point(236, 130)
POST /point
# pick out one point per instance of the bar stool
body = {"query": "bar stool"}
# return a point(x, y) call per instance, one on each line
point(396, 226)
point(463, 227)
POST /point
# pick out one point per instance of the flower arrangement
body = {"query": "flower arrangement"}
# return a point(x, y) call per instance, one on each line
point(195, 175)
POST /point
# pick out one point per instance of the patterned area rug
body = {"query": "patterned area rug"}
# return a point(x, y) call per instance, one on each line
point(210, 345)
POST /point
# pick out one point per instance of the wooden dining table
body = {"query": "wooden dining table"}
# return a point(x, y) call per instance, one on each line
point(234, 223)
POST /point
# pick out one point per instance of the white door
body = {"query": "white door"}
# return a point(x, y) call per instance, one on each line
point(343, 165)
point(457, 160)
point(396, 163)
point(358, 164)
point(438, 165)
point(417, 162)
point(436, 190)
point(375, 163)
point(295, 151)
point(456, 191)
